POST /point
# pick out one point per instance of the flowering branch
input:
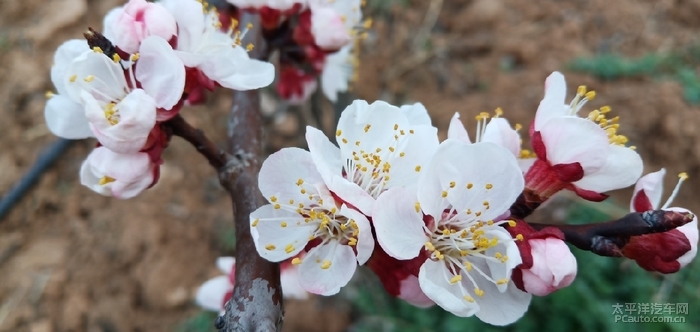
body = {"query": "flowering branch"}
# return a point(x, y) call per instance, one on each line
point(609, 238)
point(217, 157)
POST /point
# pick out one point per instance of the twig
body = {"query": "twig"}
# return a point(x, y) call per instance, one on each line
point(217, 157)
point(608, 238)
point(256, 304)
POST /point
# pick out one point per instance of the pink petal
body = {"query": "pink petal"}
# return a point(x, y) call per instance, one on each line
point(652, 185)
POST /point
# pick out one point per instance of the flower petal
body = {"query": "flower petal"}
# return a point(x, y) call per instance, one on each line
point(289, 175)
point(161, 72)
point(226, 264)
point(652, 185)
point(417, 114)
point(107, 83)
point(233, 69)
point(62, 59)
point(572, 139)
point(279, 234)
point(399, 227)
point(411, 292)
point(499, 131)
point(210, 295)
point(553, 104)
point(336, 73)
point(622, 168)
point(415, 152)
point(365, 241)
point(66, 118)
point(434, 281)
point(289, 278)
point(457, 130)
point(327, 281)
point(501, 308)
point(325, 155)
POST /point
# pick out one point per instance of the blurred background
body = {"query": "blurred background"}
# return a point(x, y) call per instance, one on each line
point(71, 260)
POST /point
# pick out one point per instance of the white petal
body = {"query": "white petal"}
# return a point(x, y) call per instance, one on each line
point(502, 308)
point(291, 289)
point(398, 226)
point(226, 264)
point(622, 168)
point(161, 72)
point(190, 22)
point(325, 155)
point(352, 194)
point(66, 118)
point(336, 73)
point(62, 59)
point(233, 69)
point(365, 241)
point(572, 139)
point(499, 131)
point(280, 174)
point(211, 294)
point(418, 149)
point(108, 84)
point(507, 247)
point(457, 130)
point(434, 281)
point(553, 104)
point(417, 114)
point(653, 186)
point(318, 280)
point(279, 234)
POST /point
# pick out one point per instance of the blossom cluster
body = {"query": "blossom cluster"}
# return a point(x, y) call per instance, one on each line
point(435, 220)
point(121, 85)
point(315, 38)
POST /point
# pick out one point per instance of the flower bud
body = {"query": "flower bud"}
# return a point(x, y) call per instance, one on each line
point(115, 174)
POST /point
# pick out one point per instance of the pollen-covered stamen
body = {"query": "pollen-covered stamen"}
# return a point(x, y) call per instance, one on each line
point(371, 170)
point(581, 98)
point(681, 177)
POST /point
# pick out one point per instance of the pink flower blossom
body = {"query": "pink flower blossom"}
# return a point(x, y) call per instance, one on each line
point(332, 22)
point(582, 154)
point(128, 26)
point(116, 174)
point(450, 214)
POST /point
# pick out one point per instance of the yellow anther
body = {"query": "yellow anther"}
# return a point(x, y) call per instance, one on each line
point(402, 132)
point(683, 176)
point(593, 115)
point(249, 26)
point(581, 90)
point(417, 206)
point(489, 186)
point(605, 109)
point(273, 199)
point(249, 47)
point(502, 281)
point(367, 127)
point(396, 126)
point(270, 247)
point(345, 141)
point(445, 232)
point(468, 298)
point(234, 23)
point(477, 214)
point(498, 112)
point(378, 150)
point(429, 246)
point(303, 191)
point(289, 248)
point(518, 126)
point(357, 143)
point(291, 201)
point(469, 211)
point(486, 203)
point(444, 194)
point(470, 185)
point(326, 264)
point(519, 237)
point(402, 154)
point(296, 261)
point(73, 78)
point(468, 266)
point(411, 131)
point(49, 94)
point(338, 132)
point(590, 95)
point(391, 149)
point(134, 57)
point(453, 184)
point(300, 182)
point(418, 168)
point(490, 222)
point(367, 24)
point(255, 222)
point(277, 206)
point(478, 292)
point(97, 49)
point(498, 255)
point(456, 279)
point(105, 180)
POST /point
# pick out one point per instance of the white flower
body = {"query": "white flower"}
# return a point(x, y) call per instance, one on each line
point(333, 21)
point(120, 115)
point(219, 55)
point(381, 147)
point(303, 211)
point(65, 115)
point(586, 152)
point(451, 214)
point(337, 72)
point(115, 174)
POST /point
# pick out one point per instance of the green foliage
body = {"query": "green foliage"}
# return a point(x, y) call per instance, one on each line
point(679, 65)
point(586, 305)
point(201, 322)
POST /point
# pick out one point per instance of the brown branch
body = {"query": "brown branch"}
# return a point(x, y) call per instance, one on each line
point(608, 238)
point(217, 157)
point(256, 304)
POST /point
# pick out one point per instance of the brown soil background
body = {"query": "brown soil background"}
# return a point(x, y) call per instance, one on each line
point(71, 260)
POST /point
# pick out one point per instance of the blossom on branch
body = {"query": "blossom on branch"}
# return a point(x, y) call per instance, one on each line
point(453, 214)
point(303, 215)
point(665, 252)
point(116, 174)
point(585, 155)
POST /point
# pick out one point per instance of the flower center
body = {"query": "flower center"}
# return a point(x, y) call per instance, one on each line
point(111, 114)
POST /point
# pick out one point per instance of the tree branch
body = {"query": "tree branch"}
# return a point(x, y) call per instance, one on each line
point(217, 157)
point(608, 238)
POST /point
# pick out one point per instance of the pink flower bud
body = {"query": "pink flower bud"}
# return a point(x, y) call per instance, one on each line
point(553, 267)
point(115, 174)
point(139, 19)
point(328, 28)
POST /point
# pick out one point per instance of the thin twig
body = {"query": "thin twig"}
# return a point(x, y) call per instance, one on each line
point(216, 156)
